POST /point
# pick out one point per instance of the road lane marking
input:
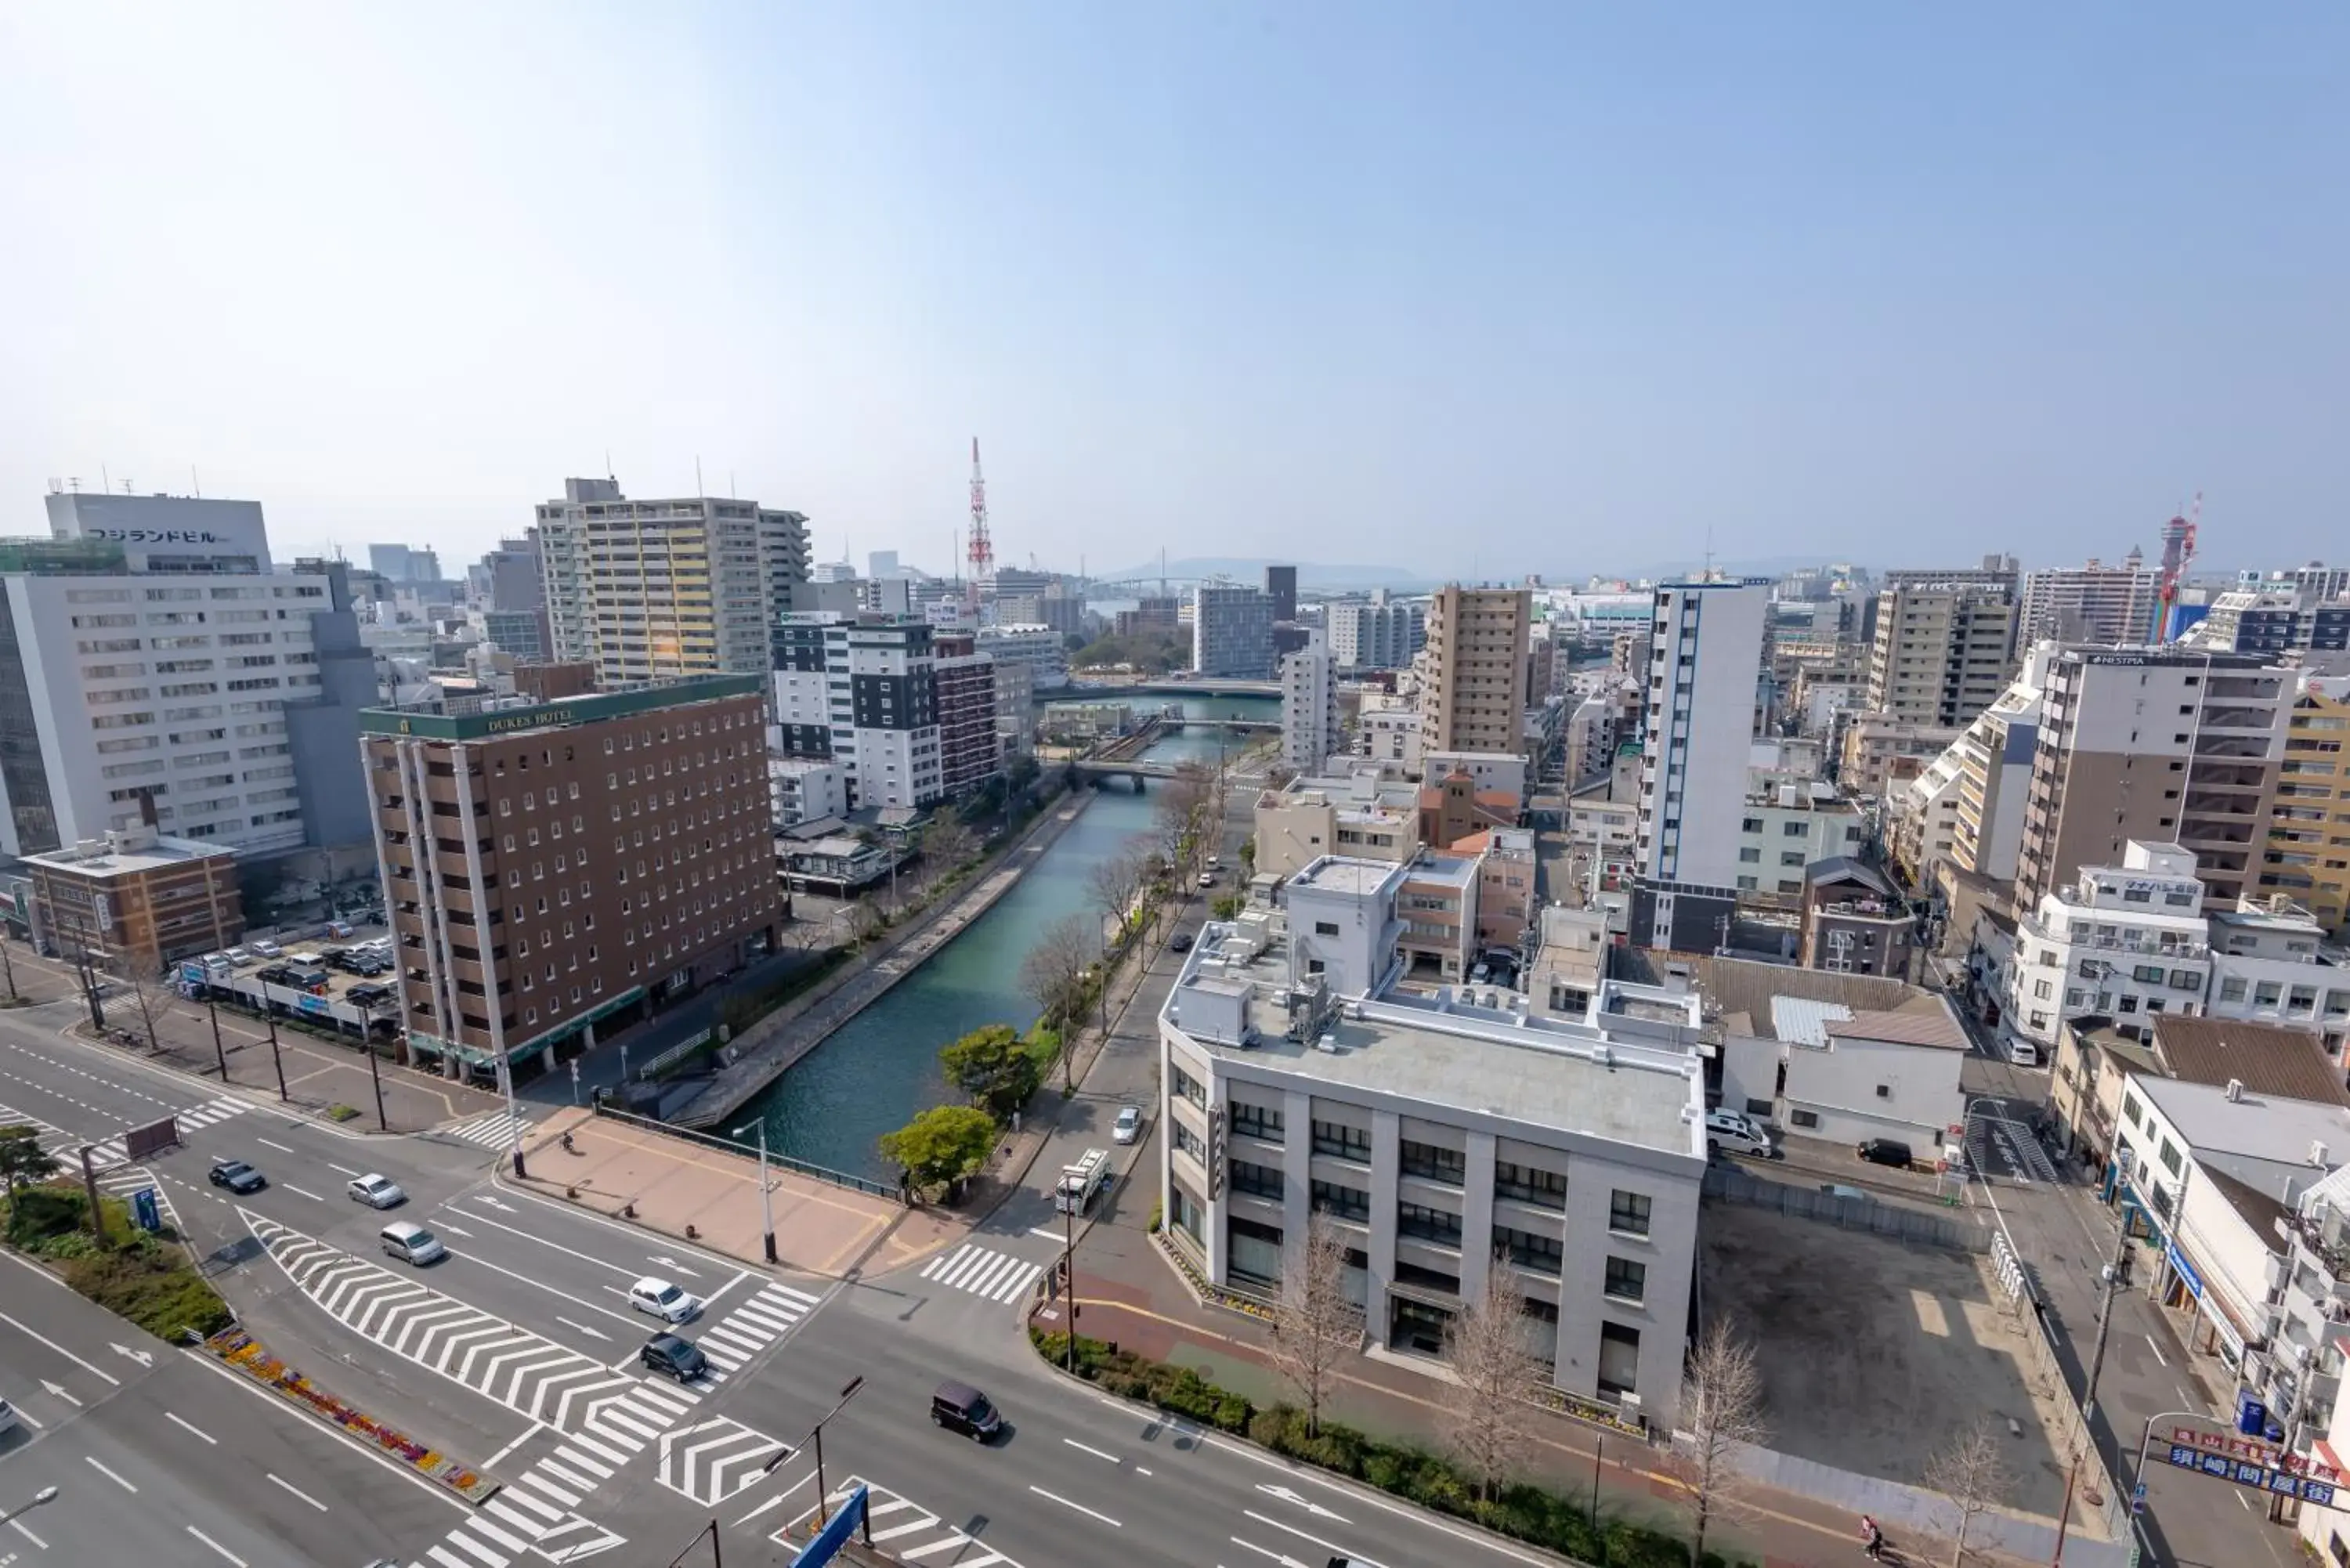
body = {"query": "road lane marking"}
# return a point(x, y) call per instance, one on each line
point(18, 1526)
point(93, 1461)
point(1094, 1452)
point(1079, 1507)
point(346, 1169)
point(216, 1546)
point(431, 1488)
point(60, 1349)
point(470, 1258)
point(2157, 1352)
point(297, 1491)
point(300, 1192)
point(198, 1431)
point(625, 1272)
point(280, 1148)
point(454, 1230)
point(521, 1438)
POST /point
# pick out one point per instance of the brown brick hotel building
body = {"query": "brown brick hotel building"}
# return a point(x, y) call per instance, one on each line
point(554, 867)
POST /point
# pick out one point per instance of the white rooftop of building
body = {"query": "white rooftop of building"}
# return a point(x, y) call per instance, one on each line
point(2260, 1126)
point(1361, 877)
point(128, 854)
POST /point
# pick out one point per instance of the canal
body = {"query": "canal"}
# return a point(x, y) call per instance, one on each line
point(883, 1066)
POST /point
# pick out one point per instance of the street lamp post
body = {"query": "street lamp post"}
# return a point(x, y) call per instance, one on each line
point(766, 1202)
point(269, 1014)
point(46, 1495)
point(375, 1073)
point(2138, 1479)
point(514, 1121)
point(1069, 1268)
point(709, 1530)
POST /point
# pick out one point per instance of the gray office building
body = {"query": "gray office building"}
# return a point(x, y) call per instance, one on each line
point(1231, 631)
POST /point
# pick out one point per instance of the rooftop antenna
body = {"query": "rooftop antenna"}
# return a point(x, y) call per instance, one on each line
point(980, 551)
point(698, 491)
point(608, 466)
point(105, 479)
point(195, 482)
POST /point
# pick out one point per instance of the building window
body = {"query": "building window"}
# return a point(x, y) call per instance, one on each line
point(1188, 1142)
point(1530, 1184)
point(1750, 857)
point(1627, 1279)
point(1342, 1142)
point(1628, 1212)
point(1342, 1202)
point(1430, 1163)
point(2171, 1158)
point(1258, 1181)
point(1437, 1225)
point(1189, 1087)
point(1256, 1121)
point(1325, 928)
point(1542, 1254)
point(1803, 1118)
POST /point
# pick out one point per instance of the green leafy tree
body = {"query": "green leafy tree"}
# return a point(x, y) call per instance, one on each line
point(944, 1144)
point(1227, 907)
point(23, 1163)
point(993, 1067)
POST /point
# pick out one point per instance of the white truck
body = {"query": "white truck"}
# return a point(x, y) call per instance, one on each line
point(1082, 1182)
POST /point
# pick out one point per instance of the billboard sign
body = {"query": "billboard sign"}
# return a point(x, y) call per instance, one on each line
point(142, 1143)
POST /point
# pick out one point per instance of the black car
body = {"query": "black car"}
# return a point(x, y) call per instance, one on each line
point(681, 1359)
point(1885, 1151)
point(366, 995)
point(1180, 942)
point(237, 1176)
point(959, 1408)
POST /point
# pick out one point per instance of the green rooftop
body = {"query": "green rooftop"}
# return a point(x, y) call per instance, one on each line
point(61, 557)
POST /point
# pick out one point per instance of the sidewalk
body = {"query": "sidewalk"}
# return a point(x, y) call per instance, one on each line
point(709, 1195)
point(797, 1027)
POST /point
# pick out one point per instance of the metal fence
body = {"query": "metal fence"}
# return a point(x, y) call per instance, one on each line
point(1848, 1211)
point(751, 1151)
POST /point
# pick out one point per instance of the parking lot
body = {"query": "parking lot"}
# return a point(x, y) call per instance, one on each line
point(1873, 1352)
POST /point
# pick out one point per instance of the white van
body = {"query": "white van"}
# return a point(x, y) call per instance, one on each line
point(2023, 1052)
point(1737, 1133)
point(411, 1243)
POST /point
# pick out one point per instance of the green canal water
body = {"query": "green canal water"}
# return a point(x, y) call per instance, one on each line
point(883, 1066)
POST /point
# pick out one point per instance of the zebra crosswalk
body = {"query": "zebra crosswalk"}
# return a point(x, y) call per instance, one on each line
point(535, 1515)
point(754, 1326)
point(984, 1272)
point(713, 1460)
point(212, 1111)
point(903, 1528)
point(490, 1129)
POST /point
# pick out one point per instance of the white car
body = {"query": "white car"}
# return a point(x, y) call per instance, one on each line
point(7, 1416)
point(1738, 1132)
point(1129, 1126)
point(265, 947)
point(662, 1300)
point(2023, 1052)
point(377, 1191)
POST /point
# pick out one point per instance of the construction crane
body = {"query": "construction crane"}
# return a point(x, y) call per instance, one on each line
point(2178, 550)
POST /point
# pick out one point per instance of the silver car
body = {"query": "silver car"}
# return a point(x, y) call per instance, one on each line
point(376, 1192)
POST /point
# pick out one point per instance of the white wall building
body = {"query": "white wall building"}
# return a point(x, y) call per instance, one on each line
point(1040, 648)
point(1381, 635)
point(1309, 710)
point(1705, 659)
point(1502, 770)
point(2126, 941)
point(1389, 736)
point(1442, 1141)
point(2272, 964)
point(806, 789)
point(864, 694)
point(1787, 827)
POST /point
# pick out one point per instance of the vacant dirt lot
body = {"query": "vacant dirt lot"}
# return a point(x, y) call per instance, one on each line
point(1874, 1352)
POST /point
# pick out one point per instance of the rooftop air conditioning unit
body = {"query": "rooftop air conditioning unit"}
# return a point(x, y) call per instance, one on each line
point(2317, 1152)
point(2235, 1091)
point(1327, 1044)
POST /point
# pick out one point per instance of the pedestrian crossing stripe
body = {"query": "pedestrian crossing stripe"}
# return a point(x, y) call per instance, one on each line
point(912, 1533)
point(755, 1324)
point(982, 1271)
point(490, 1129)
point(528, 1516)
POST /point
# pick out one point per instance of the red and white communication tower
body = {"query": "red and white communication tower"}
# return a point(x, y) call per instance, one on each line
point(2178, 550)
point(980, 553)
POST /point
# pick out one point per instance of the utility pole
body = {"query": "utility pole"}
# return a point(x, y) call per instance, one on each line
point(269, 1013)
point(220, 1053)
point(7, 967)
point(2114, 1273)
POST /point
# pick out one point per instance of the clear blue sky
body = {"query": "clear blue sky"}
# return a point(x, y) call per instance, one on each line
point(1479, 289)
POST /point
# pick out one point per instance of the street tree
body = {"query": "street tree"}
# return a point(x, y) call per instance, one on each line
point(1054, 975)
point(1316, 1327)
point(151, 1002)
point(1488, 1418)
point(1969, 1471)
point(992, 1067)
point(947, 843)
point(942, 1145)
point(1721, 1413)
point(23, 1163)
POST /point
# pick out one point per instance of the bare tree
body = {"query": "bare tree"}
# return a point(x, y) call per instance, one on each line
point(1116, 879)
point(150, 999)
point(947, 843)
point(1487, 1418)
point(1972, 1473)
point(1316, 1326)
point(1182, 811)
point(1721, 1412)
point(1054, 976)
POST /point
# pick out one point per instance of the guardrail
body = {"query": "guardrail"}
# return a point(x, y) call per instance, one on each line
point(1732, 1185)
point(750, 1151)
point(674, 1055)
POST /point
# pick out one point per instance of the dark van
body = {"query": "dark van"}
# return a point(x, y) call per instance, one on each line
point(959, 1408)
point(1885, 1151)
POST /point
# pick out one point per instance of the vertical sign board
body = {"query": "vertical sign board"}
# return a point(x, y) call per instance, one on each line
point(145, 1210)
point(835, 1534)
point(138, 1143)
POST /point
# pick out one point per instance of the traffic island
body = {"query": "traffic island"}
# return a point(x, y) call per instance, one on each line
point(240, 1351)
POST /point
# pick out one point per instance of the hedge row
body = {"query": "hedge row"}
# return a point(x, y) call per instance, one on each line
point(146, 1279)
point(1522, 1512)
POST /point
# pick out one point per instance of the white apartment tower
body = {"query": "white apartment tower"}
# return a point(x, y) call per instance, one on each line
point(651, 590)
point(1706, 660)
point(2094, 602)
point(1309, 710)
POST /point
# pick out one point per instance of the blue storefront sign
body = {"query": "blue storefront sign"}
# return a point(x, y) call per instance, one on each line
point(2186, 1271)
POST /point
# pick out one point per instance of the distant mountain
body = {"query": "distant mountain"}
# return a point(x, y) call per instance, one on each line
point(1310, 574)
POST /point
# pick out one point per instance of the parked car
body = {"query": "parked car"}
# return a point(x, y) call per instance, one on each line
point(1206, 878)
point(1839, 1189)
point(1129, 1125)
point(366, 995)
point(7, 1416)
point(674, 1357)
point(1739, 1133)
point(237, 1176)
point(662, 1300)
point(376, 1192)
point(265, 947)
point(1180, 942)
point(2022, 1053)
point(959, 1408)
point(1885, 1151)
point(238, 956)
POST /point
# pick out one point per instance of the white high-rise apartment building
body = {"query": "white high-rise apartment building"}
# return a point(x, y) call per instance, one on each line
point(152, 689)
point(2094, 602)
point(1705, 663)
point(650, 590)
point(1309, 710)
point(864, 692)
point(1381, 635)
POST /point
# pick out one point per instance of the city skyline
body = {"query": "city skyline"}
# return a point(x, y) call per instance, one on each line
point(1774, 286)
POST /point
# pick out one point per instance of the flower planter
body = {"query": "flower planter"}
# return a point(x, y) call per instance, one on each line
point(245, 1353)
